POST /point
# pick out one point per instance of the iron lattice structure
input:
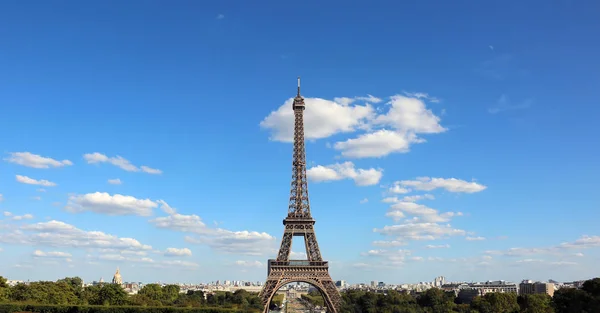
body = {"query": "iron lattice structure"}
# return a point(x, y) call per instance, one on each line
point(299, 222)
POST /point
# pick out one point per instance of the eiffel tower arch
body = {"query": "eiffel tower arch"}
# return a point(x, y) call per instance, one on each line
point(299, 222)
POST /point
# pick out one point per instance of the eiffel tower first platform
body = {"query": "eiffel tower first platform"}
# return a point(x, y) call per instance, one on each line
point(299, 222)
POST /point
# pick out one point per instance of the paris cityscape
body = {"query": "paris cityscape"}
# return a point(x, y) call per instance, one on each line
point(213, 157)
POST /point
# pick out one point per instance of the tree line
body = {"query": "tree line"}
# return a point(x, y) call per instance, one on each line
point(70, 292)
point(68, 296)
point(434, 300)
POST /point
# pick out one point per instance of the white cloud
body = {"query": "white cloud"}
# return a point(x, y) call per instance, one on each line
point(585, 242)
point(389, 257)
point(422, 212)
point(41, 190)
point(363, 201)
point(36, 161)
point(416, 198)
point(104, 203)
point(420, 231)
point(237, 242)
point(178, 264)
point(437, 246)
point(21, 217)
point(180, 222)
point(6, 213)
point(478, 238)
point(410, 115)
point(115, 181)
point(165, 207)
point(377, 144)
point(120, 258)
point(119, 161)
point(450, 184)
point(249, 263)
point(31, 181)
point(399, 190)
point(1, 197)
point(51, 254)
point(220, 17)
point(150, 170)
point(346, 170)
point(59, 234)
point(422, 95)
point(222, 240)
point(322, 118)
point(390, 132)
point(391, 243)
point(36, 198)
point(178, 252)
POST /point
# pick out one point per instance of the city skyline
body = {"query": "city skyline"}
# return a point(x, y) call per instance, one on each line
point(160, 142)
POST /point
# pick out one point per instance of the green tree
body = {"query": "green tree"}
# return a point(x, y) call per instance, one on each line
point(112, 294)
point(170, 293)
point(536, 303)
point(152, 291)
point(437, 300)
point(571, 300)
point(496, 302)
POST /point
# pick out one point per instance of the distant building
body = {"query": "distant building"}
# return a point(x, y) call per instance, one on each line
point(439, 281)
point(495, 286)
point(340, 284)
point(117, 279)
point(527, 287)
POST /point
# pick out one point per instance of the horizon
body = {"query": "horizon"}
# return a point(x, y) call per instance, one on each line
point(156, 137)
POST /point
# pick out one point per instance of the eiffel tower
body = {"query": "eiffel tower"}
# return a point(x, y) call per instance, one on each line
point(299, 222)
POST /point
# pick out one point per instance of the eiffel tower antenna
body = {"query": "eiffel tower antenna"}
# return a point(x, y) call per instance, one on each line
point(299, 222)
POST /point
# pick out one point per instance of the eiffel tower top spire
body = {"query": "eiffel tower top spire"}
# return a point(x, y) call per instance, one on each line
point(299, 206)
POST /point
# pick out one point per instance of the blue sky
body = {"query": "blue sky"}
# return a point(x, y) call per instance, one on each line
point(442, 139)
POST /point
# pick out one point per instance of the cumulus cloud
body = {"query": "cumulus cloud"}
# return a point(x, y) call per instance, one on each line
point(118, 161)
point(346, 170)
point(363, 201)
point(377, 144)
point(115, 181)
point(222, 240)
point(1, 197)
point(390, 243)
point(478, 238)
point(178, 252)
point(150, 170)
point(389, 257)
point(120, 258)
point(420, 231)
point(30, 181)
point(422, 95)
point(322, 118)
point(51, 254)
point(393, 131)
point(20, 217)
point(60, 234)
point(104, 203)
point(36, 161)
point(564, 249)
point(437, 246)
point(249, 263)
point(422, 212)
point(449, 184)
